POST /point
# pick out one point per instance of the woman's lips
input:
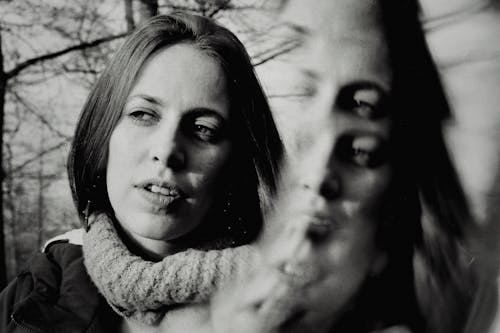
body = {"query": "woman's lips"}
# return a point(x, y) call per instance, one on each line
point(163, 196)
point(320, 227)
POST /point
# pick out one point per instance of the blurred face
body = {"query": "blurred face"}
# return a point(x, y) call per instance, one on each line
point(323, 242)
point(167, 151)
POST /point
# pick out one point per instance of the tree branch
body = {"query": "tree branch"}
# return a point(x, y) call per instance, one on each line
point(215, 11)
point(285, 49)
point(37, 156)
point(129, 15)
point(79, 70)
point(226, 4)
point(146, 9)
point(41, 118)
point(20, 67)
point(179, 8)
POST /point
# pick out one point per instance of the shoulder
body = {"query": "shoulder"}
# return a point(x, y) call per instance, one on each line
point(74, 237)
point(53, 290)
point(44, 271)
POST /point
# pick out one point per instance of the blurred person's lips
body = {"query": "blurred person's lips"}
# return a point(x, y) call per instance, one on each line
point(319, 226)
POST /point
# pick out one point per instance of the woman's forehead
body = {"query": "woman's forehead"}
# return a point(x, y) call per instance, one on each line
point(344, 40)
point(334, 15)
point(349, 59)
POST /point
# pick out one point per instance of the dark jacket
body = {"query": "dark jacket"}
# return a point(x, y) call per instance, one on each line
point(55, 294)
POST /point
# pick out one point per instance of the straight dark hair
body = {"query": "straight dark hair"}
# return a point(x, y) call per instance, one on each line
point(257, 147)
point(427, 284)
point(431, 233)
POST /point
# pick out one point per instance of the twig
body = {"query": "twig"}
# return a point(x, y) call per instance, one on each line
point(49, 56)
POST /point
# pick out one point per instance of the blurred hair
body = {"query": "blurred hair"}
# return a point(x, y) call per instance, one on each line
point(427, 283)
point(426, 243)
point(257, 147)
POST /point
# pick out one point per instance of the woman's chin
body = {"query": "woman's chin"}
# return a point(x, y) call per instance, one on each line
point(149, 228)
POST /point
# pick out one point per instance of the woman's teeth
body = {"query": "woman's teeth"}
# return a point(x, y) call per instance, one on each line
point(161, 190)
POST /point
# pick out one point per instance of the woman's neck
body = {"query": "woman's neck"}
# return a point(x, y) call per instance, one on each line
point(149, 249)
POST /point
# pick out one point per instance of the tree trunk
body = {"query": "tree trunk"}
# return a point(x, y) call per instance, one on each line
point(129, 15)
point(41, 201)
point(10, 204)
point(3, 84)
point(147, 9)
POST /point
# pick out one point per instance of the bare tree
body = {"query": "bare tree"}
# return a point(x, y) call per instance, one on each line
point(9, 79)
point(129, 15)
point(83, 37)
point(3, 84)
point(146, 9)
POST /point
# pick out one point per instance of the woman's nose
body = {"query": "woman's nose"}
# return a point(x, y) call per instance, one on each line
point(324, 179)
point(326, 186)
point(329, 187)
point(167, 149)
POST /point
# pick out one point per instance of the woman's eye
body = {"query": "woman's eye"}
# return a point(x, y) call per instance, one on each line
point(206, 130)
point(142, 117)
point(364, 109)
point(365, 151)
point(368, 103)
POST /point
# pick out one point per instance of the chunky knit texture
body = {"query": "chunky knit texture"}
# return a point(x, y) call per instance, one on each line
point(143, 290)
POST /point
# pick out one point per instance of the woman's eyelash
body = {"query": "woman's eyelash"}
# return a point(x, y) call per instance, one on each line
point(364, 109)
point(142, 116)
point(365, 102)
point(359, 106)
point(361, 156)
point(206, 131)
point(362, 151)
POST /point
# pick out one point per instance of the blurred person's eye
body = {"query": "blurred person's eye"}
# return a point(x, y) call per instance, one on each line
point(363, 150)
point(308, 84)
point(365, 100)
point(365, 104)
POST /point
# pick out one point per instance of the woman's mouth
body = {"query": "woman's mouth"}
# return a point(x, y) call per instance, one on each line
point(168, 191)
point(320, 226)
point(164, 196)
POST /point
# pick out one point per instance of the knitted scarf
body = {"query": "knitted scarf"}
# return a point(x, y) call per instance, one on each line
point(142, 290)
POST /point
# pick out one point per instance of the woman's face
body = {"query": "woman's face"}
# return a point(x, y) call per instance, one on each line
point(345, 175)
point(169, 147)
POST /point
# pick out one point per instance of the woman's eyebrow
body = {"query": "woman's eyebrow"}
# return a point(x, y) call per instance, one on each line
point(147, 98)
point(368, 85)
point(206, 112)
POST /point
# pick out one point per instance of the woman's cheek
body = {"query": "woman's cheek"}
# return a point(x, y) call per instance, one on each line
point(347, 260)
point(207, 165)
point(368, 189)
point(209, 159)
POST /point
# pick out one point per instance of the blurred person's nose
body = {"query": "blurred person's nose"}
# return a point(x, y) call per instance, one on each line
point(318, 168)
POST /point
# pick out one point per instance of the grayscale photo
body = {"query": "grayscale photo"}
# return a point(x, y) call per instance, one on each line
point(250, 166)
